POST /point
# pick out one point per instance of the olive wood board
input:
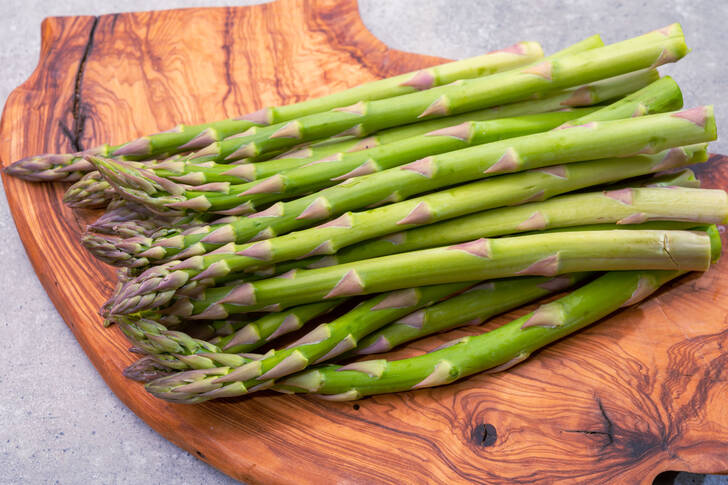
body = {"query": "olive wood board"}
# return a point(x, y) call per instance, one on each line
point(643, 391)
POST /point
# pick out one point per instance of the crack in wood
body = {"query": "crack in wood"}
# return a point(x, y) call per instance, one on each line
point(75, 133)
point(610, 426)
point(227, 45)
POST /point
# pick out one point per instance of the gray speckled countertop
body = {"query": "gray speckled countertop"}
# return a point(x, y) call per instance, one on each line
point(59, 423)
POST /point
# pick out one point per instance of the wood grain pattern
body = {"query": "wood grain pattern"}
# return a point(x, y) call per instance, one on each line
point(642, 392)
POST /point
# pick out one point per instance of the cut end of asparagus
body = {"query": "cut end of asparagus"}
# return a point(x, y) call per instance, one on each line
point(716, 245)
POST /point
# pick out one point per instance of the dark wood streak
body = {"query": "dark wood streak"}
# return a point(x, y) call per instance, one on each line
point(639, 393)
point(78, 109)
point(227, 46)
point(607, 433)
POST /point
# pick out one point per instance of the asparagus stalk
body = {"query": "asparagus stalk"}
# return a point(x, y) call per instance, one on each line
point(496, 350)
point(388, 244)
point(142, 186)
point(360, 119)
point(484, 301)
point(537, 254)
point(180, 351)
point(587, 95)
point(620, 206)
point(324, 342)
point(156, 286)
point(190, 173)
point(492, 351)
point(598, 139)
point(190, 137)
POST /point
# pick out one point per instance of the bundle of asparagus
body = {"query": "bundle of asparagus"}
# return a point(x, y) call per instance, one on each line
point(397, 209)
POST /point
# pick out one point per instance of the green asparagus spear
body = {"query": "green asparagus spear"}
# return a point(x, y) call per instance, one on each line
point(90, 192)
point(362, 118)
point(537, 254)
point(210, 172)
point(645, 204)
point(587, 95)
point(324, 342)
point(180, 351)
point(190, 137)
point(597, 139)
point(143, 187)
point(493, 351)
point(146, 369)
point(156, 286)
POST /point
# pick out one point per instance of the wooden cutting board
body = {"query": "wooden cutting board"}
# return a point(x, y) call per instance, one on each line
point(642, 392)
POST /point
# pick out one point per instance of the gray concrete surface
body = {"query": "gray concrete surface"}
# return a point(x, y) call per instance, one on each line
point(58, 421)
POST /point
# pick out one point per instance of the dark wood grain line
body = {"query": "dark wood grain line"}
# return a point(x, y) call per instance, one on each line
point(75, 133)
